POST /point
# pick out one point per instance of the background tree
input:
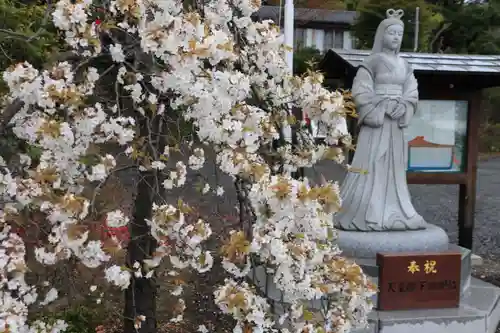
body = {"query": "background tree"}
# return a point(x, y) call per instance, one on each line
point(468, 27)
point(25, 33)
point(473, 27)
point(304, 58)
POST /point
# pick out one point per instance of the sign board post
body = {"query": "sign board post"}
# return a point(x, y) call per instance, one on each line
point(419, 280)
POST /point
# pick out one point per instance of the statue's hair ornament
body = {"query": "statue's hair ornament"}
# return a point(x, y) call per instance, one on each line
point(394, 13)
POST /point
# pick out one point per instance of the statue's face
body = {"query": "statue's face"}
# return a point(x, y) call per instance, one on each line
point(393, 37)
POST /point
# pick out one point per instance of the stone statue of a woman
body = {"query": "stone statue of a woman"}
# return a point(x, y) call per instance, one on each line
point(386, 95)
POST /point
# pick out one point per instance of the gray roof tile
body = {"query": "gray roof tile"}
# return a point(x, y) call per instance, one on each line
point(434, 62)
point(309, 14)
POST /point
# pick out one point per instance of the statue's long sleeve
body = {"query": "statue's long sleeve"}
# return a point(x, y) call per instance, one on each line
point(409, 98)
point(366, 100)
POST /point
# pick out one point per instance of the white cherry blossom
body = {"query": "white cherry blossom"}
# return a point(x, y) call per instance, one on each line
point(213, 68)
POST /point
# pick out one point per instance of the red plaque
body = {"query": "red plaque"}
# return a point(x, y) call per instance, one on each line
point(418, 280)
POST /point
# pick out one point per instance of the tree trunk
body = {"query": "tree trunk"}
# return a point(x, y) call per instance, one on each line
point(140, 297)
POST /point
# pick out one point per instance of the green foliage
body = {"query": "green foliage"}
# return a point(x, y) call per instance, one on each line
point(470, 28)
point(303, 59)
point(371, 12)
point(449, 26)
point(25, 33)
point(9, 145)
point(80, 319)
point(489, 105)
point(351, 4)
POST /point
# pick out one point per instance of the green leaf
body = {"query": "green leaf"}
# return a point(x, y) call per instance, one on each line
point(89, 160)
point(202, 259)
point(34, 152)
point(308, 315)
point(330, 234)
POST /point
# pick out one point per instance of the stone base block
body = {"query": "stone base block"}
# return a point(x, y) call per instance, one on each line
point(358, 244)
point(479, 312)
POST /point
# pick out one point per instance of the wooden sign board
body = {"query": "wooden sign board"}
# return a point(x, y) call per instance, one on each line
point(419, 280)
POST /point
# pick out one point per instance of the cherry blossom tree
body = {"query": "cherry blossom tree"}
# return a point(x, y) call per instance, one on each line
point(134, 66)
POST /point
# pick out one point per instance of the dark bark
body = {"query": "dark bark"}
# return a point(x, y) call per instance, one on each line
point(140, 297)
point(8, 113)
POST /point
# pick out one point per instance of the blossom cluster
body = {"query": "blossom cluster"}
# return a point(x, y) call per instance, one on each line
point(294, 240)
point(223, 73)
point(15, 294)
point(169, 226)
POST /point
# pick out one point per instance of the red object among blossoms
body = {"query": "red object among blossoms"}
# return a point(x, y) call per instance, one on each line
point(20, 231)
point(97, 21)
point(106, 232)
point(307, 120)
point(122, 234)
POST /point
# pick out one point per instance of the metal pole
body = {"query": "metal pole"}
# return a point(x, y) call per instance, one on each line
point(417, 26)
point(288, 32)
point(289, 18)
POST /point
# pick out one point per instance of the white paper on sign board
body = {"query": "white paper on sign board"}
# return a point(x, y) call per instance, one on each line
point(434, 134)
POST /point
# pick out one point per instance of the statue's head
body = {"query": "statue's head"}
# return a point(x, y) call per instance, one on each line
point(389, 35)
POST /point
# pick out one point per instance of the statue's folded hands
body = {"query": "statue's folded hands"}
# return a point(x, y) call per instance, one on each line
point(398, 111)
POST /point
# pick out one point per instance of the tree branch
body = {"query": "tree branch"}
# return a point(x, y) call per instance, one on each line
point(48, 10)
point(438, 34)
point(8, 113)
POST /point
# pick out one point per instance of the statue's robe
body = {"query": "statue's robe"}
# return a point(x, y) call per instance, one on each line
point(375, 194)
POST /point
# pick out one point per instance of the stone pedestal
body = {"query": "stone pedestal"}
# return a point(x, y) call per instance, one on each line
point(479, 310)
point(357, 244)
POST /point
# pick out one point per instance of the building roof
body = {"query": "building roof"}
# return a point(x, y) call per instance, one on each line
point(430, 62)
point(308, 14)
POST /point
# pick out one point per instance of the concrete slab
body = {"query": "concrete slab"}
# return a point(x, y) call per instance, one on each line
point(480, 298)
point(493, 319)
point(479, 312)
point(476, 326)
point(476, 260)
point(372, 328)
point(493, 312)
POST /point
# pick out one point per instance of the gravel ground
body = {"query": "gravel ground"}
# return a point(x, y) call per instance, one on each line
point(439, 205)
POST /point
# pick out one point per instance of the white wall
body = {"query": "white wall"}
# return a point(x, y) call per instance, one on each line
point(348, 41)
point(316, 38)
